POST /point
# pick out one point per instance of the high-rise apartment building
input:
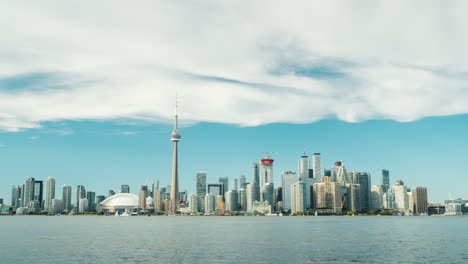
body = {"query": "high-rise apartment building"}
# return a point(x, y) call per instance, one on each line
point(28, 193)
point(66, 198)
point(193, 203)
point(288, 178)
point(364, 179)
point(304, 165)
point(327, 195)
point(242, 199)
point(339, 173)
point(232, 198)
point(158, 201)
point(235, 184)
point(16, 196)
point(201, 190)
point(209, 203)
point(317, 165)
point(38, 192)
point(268, 194)
point(377, 194)
point(419, 200)
point(224, 180)
point(401, 196)
point(142, 197)
point(252, 194)
point(50, 193)
point(83, 205)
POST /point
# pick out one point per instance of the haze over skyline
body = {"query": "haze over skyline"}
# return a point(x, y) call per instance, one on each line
point(87, 92)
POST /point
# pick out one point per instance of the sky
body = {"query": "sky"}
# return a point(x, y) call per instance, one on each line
point(87, 90)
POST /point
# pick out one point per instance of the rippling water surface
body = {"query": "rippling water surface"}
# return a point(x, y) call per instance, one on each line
point(109, 239)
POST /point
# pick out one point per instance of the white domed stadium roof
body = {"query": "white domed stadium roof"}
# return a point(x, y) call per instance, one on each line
point(121, 200)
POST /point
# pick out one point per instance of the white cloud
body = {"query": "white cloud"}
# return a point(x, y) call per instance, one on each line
point(62, 132)
point(240, 63)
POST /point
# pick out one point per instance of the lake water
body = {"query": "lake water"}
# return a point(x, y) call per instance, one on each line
point(333, 239)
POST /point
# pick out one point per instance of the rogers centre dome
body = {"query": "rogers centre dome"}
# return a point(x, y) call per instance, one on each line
point(120, 202)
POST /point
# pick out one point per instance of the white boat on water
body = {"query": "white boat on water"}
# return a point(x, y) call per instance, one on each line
point(271, 215)
point(116, 213)
point(125, 214)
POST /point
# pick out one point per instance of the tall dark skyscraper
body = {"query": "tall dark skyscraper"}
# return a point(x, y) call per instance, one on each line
point(201, 184)
point(364, 179)
point(66, 198)
point(255, 173)
point(385, 180)
point(16, 196)
point(38, 192)
point(175, 138)
point(91, 196)
point(80, 194)
point(28, 191)
point(225, 181)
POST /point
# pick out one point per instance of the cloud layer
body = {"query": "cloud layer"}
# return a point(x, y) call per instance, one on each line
point(231, 62)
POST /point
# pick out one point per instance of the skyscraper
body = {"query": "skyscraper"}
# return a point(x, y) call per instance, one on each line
point(201, 184)
point(242, 199)
point(111, 192)
point(80, 194)
point(288, 179)
point(353, 197)
point(125, 188)
point(317, 165)
point(193, 203)
point(338, 173)
point(157, 200)
point(266, 170)
point(268, 194)
point(401, 196)
point(225, 181)
point(15, 196)
point(235, 184)
point(385, 180)
point(255, 173)
point(298, 197)
point(66, 198)
point(232, 198)
point(216, 188)
point(142, 197)
point(50, 193)
point(28, 193)
point(252, 194)
point(364, 179)
point(38, 192)
point(419, 200)
point(209, 203)
point(304, 165)
point(154, 187)
point(377, 193)
point(175, 138)
point(83, 205)
point(242, 182)
point(327, 195)
point(91, 197)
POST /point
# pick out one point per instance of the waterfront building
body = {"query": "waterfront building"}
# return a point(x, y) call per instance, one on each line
point(327, 195)
point(125, 188)
point(66, 198)
point(353, 197)
point(364, 179)
point(56, 206)
point(232, 198)
point(377, 194)
point(385, 180)
point(219, 203)
point(91, 196)
point(175, 138)
point(419, 200)
point(298, 197)
point(166, 205)
point(16, 196)
point(242, 199)
point(80, 194)
point(255, 173)
point(388, 199)
point(157, 199)
point(261, 208)
point(317, 165)
point(401, 196)
point(50, 193)
point(120, 202)
point(83, 205)
point(266, 170)
point(224, 180)
point(242, 182)
point(209, 203)
point(193, 203)
point(453, 209)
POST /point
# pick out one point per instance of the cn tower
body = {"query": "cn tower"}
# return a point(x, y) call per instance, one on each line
point(175, 137)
